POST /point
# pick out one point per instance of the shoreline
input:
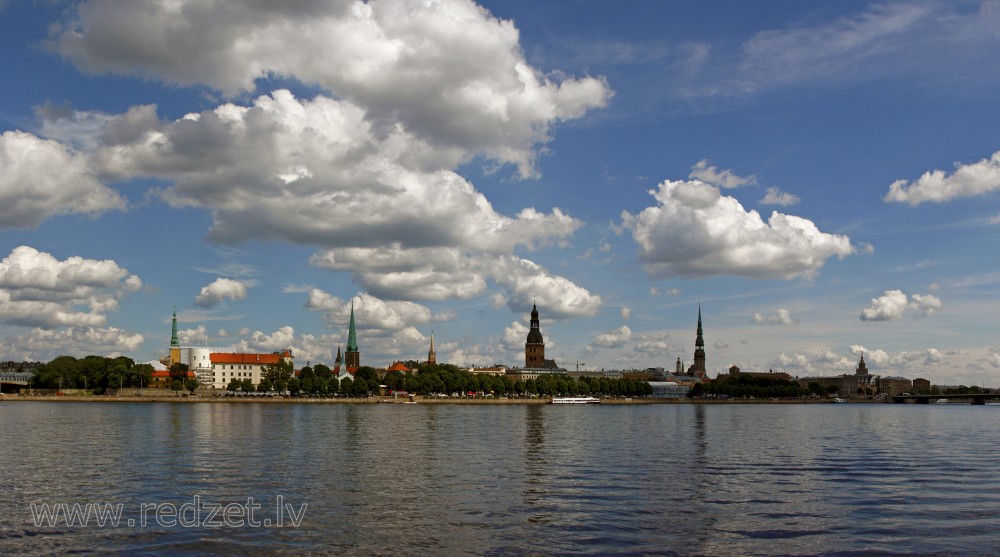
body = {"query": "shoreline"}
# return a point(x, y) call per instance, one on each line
point(388, 400)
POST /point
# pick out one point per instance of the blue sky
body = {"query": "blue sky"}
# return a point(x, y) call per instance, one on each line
point(822, 178)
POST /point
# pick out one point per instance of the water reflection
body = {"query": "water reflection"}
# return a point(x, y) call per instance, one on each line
point(419, 479)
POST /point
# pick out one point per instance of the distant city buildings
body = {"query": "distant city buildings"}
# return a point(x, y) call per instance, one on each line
point(861, 383)
point(217, 368)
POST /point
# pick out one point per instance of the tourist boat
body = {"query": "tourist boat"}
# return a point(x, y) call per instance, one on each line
point(941, 401)
point(573, 400)
point(838, 399)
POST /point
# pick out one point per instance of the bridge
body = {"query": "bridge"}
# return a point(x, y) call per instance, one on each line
point(978, 399)
point(12, 381)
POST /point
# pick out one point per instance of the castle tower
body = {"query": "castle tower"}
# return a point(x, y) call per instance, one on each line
point(698, 367)
point(534, 348)
point(862, 368)
point(431, 356)
point(352, 358)
point(175, 343)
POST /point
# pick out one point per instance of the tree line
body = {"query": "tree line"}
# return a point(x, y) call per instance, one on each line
point(745, 386)
point(97, 373)
point(430, 379)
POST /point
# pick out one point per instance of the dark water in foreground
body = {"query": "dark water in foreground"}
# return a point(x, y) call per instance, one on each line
point(847, 479)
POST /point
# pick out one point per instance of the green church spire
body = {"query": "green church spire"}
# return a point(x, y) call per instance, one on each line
point(352, 334)
point(174, 341)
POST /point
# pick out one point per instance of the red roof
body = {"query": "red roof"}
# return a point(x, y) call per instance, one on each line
point(398, 366)
point(262, 359)
point(166, 373)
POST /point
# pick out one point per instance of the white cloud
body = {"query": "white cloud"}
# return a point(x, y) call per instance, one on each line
point(370, 312)
point(41, 178)
point(219, 290)
point(528, 283)
point(448, 68)
point(36, 289)
point(967, 180)
point(774, 196)
point(654, 344)
point(438, 274)
point(45, 344)
point(626, 312)
point(877, 355)
point(794, 360)
point(720, 178)
point(193, 337)
point(781, 317)
point(465, 358)
point(613, 339)
point(515, 336)
point(695, 231)
point(887, 307)
point(305, 347)
point(893, 304)
point(926, 305)
point(365, 170)
point(993, 357)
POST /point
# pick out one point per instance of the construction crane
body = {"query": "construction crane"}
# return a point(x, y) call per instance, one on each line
point(578, 364)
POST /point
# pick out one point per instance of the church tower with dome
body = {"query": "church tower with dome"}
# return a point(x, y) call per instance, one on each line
point(534, 348)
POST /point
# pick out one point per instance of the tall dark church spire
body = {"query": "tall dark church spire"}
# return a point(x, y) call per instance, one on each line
point(352, 357)
point(698, 367)
point(699, 340)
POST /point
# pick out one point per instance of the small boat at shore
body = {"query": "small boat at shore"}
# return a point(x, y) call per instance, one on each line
point(573, 400)
point(839, 400)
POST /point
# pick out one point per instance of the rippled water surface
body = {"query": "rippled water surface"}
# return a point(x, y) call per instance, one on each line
point(393, 479)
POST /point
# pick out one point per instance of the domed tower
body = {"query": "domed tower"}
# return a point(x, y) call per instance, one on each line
point(534, 348)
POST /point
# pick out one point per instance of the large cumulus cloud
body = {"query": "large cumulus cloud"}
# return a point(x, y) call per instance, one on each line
point(41, 178)
point(439, 273)
point(38, 290)
point(407, 93)
point(448, 68)
point(696, 231)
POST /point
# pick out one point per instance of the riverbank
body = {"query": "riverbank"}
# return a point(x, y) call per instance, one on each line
point(182, 399)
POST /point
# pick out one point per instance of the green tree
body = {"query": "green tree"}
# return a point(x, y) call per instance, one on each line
point(178, 375)
point(281, 371)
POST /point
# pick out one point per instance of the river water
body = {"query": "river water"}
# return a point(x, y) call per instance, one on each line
point(395, 479)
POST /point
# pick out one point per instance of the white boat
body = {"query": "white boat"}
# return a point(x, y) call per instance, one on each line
point(941, 401)
point(574, 400)
point(838, 399)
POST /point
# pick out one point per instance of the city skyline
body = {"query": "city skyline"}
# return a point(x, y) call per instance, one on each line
point(821, 179)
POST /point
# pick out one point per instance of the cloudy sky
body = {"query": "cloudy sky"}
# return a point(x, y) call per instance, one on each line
point(821, 177)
